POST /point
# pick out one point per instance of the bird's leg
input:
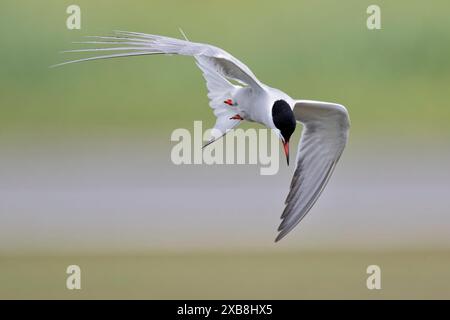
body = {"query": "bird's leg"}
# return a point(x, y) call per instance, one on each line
point(236, 117)
point(230, 102)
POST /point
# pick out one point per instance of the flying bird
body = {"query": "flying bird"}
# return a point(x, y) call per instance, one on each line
point(325, 125)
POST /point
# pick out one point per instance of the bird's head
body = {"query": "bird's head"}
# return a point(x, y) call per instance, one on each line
point(284, 120)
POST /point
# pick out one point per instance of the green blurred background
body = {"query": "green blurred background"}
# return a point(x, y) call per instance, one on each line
point(394, 82)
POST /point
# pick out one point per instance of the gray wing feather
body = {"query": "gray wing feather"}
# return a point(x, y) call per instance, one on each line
point(323, 140)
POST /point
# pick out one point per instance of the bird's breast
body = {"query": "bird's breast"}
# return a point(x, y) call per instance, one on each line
point(254, 107)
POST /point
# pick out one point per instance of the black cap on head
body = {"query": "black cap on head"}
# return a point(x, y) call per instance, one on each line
point(283, 118)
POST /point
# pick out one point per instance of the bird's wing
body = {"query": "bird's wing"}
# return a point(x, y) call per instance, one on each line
point(216, 64)
point(324, 136)
point(137, 44)
point(219, 90)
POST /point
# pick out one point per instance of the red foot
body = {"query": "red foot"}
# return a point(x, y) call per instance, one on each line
point(236, 117)
point(229, 102)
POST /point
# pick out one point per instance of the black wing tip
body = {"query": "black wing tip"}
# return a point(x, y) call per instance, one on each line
point(282, 232)
point(280, 227)
point(280, 236)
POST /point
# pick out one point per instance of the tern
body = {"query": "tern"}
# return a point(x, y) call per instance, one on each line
point(236, 95)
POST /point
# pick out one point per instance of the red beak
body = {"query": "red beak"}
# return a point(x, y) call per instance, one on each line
point(286, 150)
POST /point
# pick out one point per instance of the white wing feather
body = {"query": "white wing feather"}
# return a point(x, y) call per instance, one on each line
point(216, 64)
point(136, 43)
point(323, 140)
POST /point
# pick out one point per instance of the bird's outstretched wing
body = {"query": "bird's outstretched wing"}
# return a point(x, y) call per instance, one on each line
point(216, 64)
point(324, 136)
point(138, 44)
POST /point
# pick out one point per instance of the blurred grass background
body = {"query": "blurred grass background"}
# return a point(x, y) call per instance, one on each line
point(395, 83)
point(230, 275)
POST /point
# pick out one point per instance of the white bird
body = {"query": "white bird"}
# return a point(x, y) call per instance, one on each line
point(325, 125)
